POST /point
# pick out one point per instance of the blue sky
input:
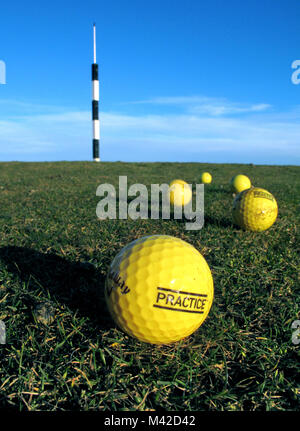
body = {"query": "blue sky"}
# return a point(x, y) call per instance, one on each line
point(191, 80)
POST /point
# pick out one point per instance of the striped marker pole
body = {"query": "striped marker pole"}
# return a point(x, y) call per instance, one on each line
point(95, 105)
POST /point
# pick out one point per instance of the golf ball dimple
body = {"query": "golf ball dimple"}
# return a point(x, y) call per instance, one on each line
point(206, 178)
point(159, 289)
point(239, 183)
point(254, 209)
point(180, 193)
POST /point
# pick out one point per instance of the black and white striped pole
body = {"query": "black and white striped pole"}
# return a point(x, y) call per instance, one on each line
point(95, 104)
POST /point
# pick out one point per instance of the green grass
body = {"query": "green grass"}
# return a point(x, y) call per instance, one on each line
point(54, 249)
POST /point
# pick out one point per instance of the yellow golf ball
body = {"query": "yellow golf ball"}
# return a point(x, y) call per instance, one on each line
point(254, 209)
point(206, 178)
point(180, 193)
point(159, 289)
point(239, 183)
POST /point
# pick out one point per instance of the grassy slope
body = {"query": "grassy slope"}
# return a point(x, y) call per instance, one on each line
point(54, 248)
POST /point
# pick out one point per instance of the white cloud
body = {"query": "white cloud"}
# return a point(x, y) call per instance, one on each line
point(175, 100)
point(43, 135)
point(205, 105)
point(67, 135)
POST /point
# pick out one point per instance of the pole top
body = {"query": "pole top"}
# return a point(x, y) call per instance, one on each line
point(94, 28)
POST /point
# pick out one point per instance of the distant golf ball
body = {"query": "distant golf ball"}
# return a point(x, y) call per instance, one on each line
point(206, 178)
point(159, 289)
point(254, 209)
point(239, 183)
point(180, 193)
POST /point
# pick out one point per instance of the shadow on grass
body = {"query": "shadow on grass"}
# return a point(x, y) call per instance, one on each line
point(213, 188)
point(4, 405)
point(77, 285)
point(220, 222)
point(208, 220)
